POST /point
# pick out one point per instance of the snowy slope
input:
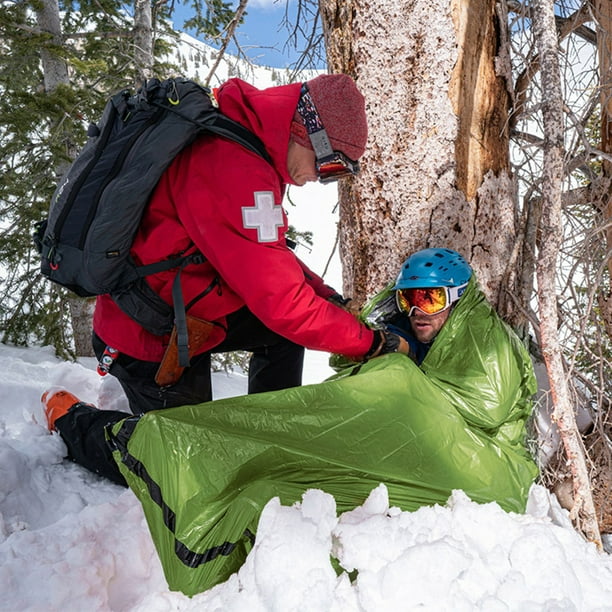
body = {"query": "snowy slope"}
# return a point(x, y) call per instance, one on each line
point(70, 541)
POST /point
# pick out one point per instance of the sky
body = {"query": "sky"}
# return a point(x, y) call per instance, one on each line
point(262, 35)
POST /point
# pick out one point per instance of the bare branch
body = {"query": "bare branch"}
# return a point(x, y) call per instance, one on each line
point(583, 511)
point(230, 31)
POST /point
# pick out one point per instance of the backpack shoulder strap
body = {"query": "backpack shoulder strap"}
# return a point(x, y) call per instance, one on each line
point(214, 121)
point(228, 128)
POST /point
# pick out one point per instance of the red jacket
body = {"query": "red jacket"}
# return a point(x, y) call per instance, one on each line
point(225, 201)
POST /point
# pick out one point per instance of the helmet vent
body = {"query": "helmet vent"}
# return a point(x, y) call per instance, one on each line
point(433, 268)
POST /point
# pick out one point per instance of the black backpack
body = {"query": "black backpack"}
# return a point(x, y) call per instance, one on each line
point(98, 205)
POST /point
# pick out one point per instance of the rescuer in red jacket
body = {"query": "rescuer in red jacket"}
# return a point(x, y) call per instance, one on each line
point(225, 201)
point(251, 293)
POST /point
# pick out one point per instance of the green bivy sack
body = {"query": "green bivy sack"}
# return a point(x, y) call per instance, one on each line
point(204, 473)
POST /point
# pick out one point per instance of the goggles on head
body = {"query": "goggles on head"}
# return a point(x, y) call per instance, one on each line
point(429, 300)
point(330, 165)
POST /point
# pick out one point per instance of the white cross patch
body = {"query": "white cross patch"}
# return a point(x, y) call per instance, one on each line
point(265, 216)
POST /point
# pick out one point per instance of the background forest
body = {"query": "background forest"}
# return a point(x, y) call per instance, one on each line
point(490, 133)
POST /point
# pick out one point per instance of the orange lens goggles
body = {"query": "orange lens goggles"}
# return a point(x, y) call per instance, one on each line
point(429, 300)
point(335, 166)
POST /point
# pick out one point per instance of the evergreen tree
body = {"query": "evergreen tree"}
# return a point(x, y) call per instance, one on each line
point(42, 128)
point(34, 128)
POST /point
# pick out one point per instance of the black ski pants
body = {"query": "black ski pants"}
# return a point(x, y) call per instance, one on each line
point(276, 363)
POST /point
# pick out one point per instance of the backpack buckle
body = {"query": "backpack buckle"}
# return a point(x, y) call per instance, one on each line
point(197, 258)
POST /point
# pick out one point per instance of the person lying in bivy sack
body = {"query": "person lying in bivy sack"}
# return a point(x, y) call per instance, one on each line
point(451, 418)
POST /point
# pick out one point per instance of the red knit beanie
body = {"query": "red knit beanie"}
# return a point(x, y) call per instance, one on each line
point(342, 110)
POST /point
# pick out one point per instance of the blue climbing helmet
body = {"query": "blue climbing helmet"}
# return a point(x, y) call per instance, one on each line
point(433, 268)
point(441, 269)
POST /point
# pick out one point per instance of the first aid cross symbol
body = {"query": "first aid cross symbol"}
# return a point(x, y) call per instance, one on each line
point(265, 217)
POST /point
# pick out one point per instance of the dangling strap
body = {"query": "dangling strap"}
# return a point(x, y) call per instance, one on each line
point(180, 313)
point(180, 320)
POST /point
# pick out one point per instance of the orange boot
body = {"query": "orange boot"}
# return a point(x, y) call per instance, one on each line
point(57, 402)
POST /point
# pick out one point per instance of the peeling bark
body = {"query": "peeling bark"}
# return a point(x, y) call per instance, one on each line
point(583, 510)
point(479, 97)
point(603, 15)
point(337, 16)
point(435, 172)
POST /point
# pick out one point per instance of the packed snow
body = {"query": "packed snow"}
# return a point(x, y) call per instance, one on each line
point(71, 541)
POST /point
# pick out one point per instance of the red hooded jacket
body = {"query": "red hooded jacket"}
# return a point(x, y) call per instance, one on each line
point(219, 198)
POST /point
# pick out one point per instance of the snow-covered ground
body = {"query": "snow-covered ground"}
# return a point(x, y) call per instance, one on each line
point(70, 541)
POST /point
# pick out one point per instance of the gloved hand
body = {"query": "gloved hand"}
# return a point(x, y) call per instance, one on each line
point(339, 300)
point(387, 342)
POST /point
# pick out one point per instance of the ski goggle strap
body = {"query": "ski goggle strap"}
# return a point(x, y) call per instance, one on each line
point(429, 300)
point(330, 165)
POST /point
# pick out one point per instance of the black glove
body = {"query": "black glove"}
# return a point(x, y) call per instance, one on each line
point(338, 300)
point(387, 342)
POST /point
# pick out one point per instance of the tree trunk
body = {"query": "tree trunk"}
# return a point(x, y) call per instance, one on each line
point(603, 15)
point(583, 511)
point(81, 315)
point(55, 70)
point(143, 40)
point(436, 170)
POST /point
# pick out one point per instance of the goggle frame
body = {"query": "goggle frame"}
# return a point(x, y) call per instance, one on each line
point(451, 294)
point(335, 166)
point(330, 164)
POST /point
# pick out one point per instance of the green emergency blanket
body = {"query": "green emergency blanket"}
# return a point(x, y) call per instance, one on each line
point(204, 473)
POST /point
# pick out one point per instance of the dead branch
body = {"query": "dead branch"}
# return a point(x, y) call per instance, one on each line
point(230, 31)
point(564, 26)
point(583, 510)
